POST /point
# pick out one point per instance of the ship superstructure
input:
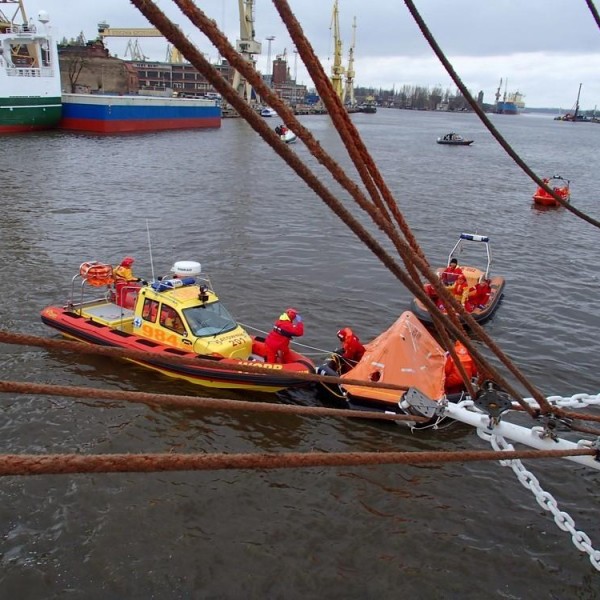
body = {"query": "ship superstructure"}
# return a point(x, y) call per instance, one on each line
point(30, 92)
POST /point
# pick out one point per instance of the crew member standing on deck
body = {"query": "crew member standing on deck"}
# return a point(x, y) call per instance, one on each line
point(124, 280)
point(277, 343)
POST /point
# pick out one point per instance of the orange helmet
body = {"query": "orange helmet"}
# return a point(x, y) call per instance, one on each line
point(291, 313)
point(127, 261)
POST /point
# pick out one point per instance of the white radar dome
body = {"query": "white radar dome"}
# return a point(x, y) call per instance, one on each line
point(43, 17)
point(186, 268)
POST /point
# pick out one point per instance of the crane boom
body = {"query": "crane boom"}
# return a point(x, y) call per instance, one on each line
point(337, 70)
point(247, 46)
point(349, 87)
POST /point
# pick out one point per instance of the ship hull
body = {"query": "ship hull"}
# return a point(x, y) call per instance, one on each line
point(29, 114)
point(133, 114)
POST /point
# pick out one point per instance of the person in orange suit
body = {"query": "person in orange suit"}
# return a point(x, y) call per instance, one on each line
point(352, 350)
point(454, 382)
point(277, 343)
point(461, 288)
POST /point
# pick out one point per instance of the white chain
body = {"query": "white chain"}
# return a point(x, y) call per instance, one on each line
point(545, 499)
point(575, 401)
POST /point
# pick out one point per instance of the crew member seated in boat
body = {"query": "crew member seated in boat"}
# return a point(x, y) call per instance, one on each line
point(124, 283)
point(451, 272)
point(454, 383)
point(277, 343)
point(479, 295)
point(461, 288)
point(351, 351)
point(171, 320)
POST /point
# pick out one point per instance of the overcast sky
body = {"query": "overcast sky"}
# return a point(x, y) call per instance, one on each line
point(544, 48)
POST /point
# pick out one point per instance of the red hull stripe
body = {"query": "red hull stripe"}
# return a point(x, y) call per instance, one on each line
point(135, 126)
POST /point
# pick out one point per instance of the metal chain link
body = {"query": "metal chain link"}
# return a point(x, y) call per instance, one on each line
point(575, 401)
point(564, 521)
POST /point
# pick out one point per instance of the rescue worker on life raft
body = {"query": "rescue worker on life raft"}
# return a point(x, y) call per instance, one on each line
point(351, 351)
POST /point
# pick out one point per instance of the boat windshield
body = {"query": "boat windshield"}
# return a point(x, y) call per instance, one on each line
point(209, 319)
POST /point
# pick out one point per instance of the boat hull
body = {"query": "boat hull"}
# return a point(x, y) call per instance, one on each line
point(29, 114)
point(455, 143)
point(272, 378)
point(542, 198)
point(479, 314)
point(135, 114)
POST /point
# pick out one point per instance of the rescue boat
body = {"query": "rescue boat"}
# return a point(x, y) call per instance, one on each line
point(559, 185)
point(405, 354)
point(286, 135)
point(176, 316)
point(481, 308)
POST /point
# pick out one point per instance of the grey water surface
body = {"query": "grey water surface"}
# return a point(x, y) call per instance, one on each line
point(224, 198)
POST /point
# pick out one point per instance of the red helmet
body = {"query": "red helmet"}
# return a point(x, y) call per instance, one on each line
point(127, 261)
point(291, 313)
point(344, 333)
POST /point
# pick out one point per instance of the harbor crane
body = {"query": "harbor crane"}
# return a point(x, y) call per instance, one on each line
point(7, 21)
point(247, 46)
point(105, 30)
point(348, 97)
point(337, 70)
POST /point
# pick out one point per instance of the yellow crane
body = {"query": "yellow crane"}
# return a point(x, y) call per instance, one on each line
point(6, 21)
point(337, 70)
point(105, 30)
point(348, 98)
point(247, 46)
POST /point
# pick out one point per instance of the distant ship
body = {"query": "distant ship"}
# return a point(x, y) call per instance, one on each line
point(107, 114)
point(511, 104)
point(30, 92)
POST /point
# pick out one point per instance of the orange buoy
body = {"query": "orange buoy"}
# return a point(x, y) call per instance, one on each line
point(96, 274)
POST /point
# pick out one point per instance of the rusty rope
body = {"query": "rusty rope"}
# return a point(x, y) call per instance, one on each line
point(195, 402)
point(483, 117)
point(30, 464)
point(171, 32)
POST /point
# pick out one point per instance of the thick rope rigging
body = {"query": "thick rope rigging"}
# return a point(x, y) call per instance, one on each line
point(483, 117)
point(28, 464)
point(155, 16)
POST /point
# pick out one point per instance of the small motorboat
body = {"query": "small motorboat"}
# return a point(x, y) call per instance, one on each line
point(478, 291)
point(557, 184)
point(454, 139)
point(176, 316)
point(267, 111)
point(285, 134)
point(405, 354)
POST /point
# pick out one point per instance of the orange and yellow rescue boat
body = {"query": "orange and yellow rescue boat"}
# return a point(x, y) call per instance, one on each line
point(179, 316)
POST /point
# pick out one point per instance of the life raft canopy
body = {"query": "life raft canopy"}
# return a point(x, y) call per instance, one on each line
point(186, 268)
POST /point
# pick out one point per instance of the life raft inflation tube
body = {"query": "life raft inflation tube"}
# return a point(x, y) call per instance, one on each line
point(96, 274)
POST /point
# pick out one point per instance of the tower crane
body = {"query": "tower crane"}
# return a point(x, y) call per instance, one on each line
point(349, 87)
point(498, 92)
point(247, 46)
point(105, 30)
point(337, 70)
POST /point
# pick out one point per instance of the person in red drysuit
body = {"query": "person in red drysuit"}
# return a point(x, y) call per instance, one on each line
point(352, 350)
point(125, 283)
point(479, 295)
point(451, 273)
point(277, 342)
point(454, 382)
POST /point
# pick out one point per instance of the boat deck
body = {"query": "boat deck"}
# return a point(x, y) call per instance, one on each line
point(108, 313)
